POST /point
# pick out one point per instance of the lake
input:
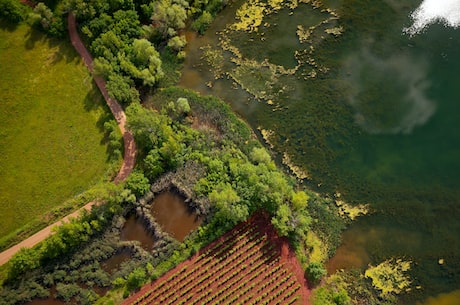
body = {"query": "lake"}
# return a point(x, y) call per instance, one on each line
point(363, 98)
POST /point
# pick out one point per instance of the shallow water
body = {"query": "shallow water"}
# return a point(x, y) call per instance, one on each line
point(172, 214)
point(115, 261)
point(380, 127)
point(134, 229)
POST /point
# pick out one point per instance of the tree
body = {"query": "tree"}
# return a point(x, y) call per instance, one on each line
point(122, 89)
point(137, 183)
point(153, 165)
point(299, 200)
point(142, 63)
point(136, 279)
point(177, 43)
point(43, 15)
point(23, 261)
point(202, 23)
point(12, 10)
point(227, 203)
point(260, 155)
point(315, 272)
point(282, 219)
point(182, 106)
point(149, 129)
point(169, 16)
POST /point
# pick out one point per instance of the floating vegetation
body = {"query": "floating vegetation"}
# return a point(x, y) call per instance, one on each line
point(250, 16)
point(335, 31)
point(215, 60)
point(296, 170)
point(266, 135)
point(262, 78)
point(390, 277)
point(351, 211)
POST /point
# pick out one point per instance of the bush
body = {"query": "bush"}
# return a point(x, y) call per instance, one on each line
point(136, 279)
point(137, 183)
point(202, 23)
point(12, 10)
point(315, 272)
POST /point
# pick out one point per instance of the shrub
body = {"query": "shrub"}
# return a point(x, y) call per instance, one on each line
point(315, 272)
point(136, 279)
point(12, 10)
point(137, 183)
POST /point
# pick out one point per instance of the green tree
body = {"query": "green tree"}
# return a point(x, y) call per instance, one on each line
point(24, 260)
point(149, 129)
point(169, 16)
point(122, 89)
point(153, 165)
point(202, 23)
point(299, 200)
point(136, 279)
point(142, 63)
point(177, 43)
point(260, 155)
point(226, 202)
point(43, 15)
point(282, 220)
point(12, 10)
point(137, 183)
point(315, 272)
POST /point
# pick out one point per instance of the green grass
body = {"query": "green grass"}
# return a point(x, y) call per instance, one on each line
point(51, 116)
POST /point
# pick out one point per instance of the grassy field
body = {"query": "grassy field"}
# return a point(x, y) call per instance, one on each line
point(51, 117)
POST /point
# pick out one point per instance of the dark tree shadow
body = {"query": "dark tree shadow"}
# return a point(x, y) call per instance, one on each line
point(8, 26)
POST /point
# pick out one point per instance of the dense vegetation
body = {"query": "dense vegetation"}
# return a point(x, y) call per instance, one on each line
point(191, 142)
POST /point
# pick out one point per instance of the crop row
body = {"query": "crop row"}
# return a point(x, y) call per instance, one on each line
point(242, 267)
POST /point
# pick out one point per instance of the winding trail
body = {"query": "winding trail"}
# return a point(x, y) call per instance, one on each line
point(129, 145)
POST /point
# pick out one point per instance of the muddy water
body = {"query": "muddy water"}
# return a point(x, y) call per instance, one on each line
point(173, 215)
point(134, 229)
point(48, 301)
point(115, 261)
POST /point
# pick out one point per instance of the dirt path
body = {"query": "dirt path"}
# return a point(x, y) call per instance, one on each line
point(129, 146)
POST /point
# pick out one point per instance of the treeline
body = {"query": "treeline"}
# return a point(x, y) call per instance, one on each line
point(68, 237)
point(129, 39)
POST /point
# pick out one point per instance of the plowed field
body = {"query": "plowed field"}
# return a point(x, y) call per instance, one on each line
point(248, 265)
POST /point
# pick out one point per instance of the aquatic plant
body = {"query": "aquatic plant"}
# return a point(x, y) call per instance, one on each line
point(389, 276)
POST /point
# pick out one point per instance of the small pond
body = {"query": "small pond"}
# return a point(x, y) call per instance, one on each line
point(115, 261)
point(173, 215)
point(134, 229)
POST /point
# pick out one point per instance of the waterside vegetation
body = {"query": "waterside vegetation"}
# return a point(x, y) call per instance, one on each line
point(191, 143)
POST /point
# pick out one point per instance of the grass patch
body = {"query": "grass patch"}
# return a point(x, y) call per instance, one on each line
point(51, 127)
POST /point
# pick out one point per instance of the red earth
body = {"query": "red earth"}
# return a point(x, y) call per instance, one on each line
point(250, 264)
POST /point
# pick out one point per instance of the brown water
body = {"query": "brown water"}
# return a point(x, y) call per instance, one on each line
point(134, 229)
point(173, 215)
point(48, 301)
point(115, 261)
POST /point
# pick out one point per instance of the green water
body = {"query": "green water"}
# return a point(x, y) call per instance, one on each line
point(381, 126)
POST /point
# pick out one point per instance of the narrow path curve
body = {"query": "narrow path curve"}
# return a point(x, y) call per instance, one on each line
point(129, 146)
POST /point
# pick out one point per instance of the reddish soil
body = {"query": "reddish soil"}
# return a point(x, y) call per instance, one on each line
point(250, 264)
point(129, 144)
